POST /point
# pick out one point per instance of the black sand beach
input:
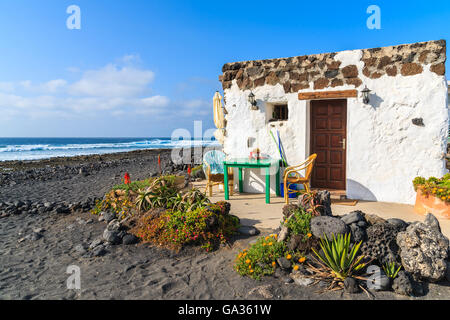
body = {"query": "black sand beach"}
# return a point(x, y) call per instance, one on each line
point(46, 226)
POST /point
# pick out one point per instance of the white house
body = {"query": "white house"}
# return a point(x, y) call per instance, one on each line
point(373, 149)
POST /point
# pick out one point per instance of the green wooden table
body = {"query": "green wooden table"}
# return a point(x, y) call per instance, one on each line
point(241, 163)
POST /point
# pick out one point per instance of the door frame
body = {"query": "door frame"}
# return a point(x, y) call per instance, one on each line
point(309, 133)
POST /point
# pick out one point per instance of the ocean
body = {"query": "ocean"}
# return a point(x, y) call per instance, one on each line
point(44, 148)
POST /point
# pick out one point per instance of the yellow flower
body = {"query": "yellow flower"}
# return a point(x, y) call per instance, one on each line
point(267, 238)
point(288, 257)
point(251, 271)
point(264, 244)
point(302, 259)
point(275, 236)
point(309, 235)
point(270, 243)
point(247, 261)
point(274, 264)
point(296, 267)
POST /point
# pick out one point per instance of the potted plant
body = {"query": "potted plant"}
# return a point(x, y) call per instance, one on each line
point(433, 196)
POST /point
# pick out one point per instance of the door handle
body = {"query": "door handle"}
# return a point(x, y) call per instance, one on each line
point(343, 143)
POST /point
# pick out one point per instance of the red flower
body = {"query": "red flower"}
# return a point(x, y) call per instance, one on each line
point(127, 178)
point(159, 162)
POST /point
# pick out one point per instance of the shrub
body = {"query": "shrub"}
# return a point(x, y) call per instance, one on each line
point(159, 194)
point(122, 198)
point(117, 201)
point(204, 226)
point(140, 196)
point(260, 259)
point(433, 186)
point(310, 202)
point(289, 209)
point(299, 222)
point(189, 201)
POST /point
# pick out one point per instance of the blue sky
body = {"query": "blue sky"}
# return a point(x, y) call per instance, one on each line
point(145, 68)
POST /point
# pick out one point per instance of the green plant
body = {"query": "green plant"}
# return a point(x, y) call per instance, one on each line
point(289, 209)
point(134, 185)
point(310, 201)
point(117, 201)
point(339, 261)
point(391, 270)
point(196, 169)
point(439, 188)
point(299, 222)
point(127, 199)
point(204, 226)
point(260, 258)
point(158, 194)
point(189, 201)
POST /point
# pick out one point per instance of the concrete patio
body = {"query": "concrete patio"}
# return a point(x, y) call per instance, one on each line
point(253, 211)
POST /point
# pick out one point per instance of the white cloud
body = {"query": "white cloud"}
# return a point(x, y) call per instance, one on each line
point(115, 90)
point(7, 86)
point(113, 81)
point(131, 58)
point(155, 101)
point(53, 86)
point(198, 103)
point(25, 84)
point(196, 107)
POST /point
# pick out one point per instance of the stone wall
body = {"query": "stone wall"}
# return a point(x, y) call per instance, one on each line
point(319, 71)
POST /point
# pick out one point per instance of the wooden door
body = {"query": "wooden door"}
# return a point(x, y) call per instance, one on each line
point(328, 140)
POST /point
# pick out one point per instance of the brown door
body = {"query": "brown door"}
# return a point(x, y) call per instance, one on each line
point(328, 140)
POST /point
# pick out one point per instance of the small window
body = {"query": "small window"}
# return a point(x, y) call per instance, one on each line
point(280, 112)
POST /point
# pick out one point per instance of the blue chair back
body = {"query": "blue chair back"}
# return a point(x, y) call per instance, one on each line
point(214, 159)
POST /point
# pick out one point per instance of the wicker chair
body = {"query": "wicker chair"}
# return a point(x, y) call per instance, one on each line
point(292, 175)
point(213, 168)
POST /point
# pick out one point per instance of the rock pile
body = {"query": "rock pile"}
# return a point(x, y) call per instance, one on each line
point(29, 207)
point(424, 250)
point(116, 232)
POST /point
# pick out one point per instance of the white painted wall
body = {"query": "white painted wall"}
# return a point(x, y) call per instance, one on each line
point(385, 151)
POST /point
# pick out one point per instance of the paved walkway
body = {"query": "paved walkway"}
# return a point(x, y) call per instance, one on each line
point(252, 209)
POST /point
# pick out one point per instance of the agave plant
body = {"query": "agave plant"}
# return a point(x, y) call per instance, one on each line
point(158, 194)
point(391, 270)
point(190, 201)
point(339, 261)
